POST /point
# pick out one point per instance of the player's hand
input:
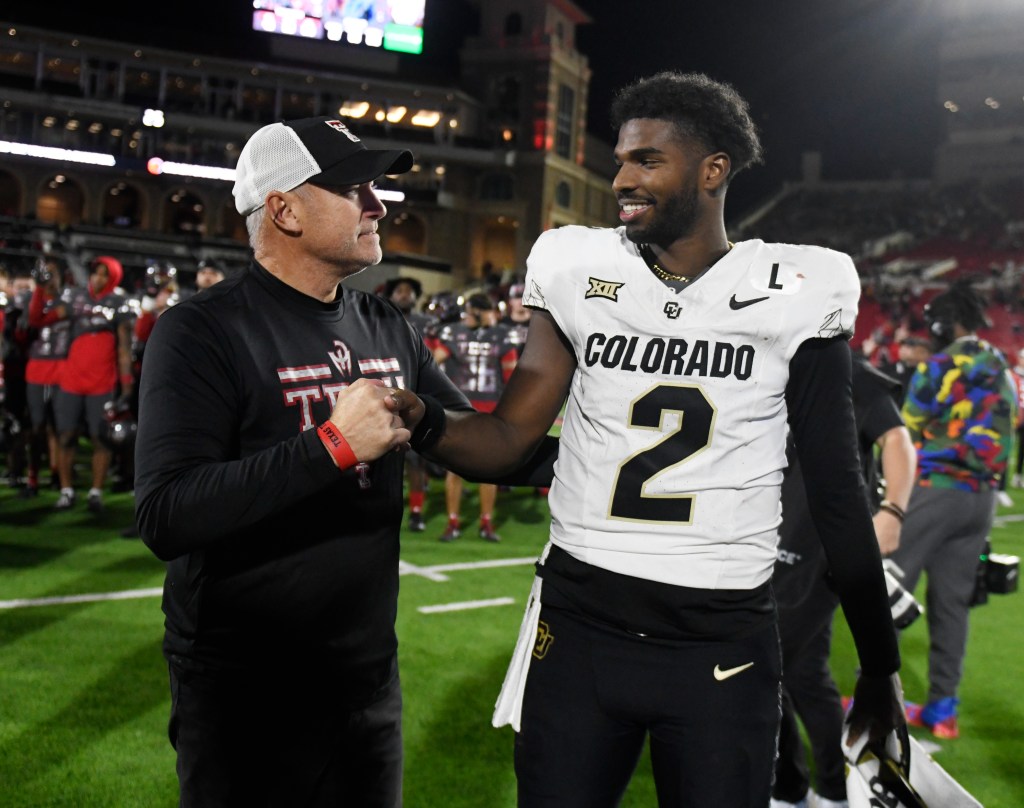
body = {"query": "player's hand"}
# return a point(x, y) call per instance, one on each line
point(877, 708)
point(366, 414)
point(409, 407)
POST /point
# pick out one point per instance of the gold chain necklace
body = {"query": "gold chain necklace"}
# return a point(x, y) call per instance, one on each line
point(648, 255)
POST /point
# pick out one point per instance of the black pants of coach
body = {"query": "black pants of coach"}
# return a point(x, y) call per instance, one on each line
point(710, 709)
point(269, 742)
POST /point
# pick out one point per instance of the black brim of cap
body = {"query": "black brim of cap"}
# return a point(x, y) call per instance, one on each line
point(365, 165)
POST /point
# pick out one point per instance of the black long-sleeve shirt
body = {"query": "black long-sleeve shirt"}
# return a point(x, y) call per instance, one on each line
point(273, 553)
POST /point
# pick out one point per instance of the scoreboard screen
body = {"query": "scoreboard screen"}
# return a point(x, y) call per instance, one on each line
point(394, 25)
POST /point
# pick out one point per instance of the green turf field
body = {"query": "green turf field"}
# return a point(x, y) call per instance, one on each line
point(83, 687)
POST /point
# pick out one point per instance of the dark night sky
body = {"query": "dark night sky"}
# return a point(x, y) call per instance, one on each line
point(853, 79)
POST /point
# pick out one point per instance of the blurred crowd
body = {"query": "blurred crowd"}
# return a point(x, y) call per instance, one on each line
point(71, 358)
point(476, 336)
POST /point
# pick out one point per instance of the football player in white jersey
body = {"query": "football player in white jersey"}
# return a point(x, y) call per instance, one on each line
point(684, 358)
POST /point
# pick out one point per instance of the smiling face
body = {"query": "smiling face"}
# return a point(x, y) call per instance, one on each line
point(657, 182)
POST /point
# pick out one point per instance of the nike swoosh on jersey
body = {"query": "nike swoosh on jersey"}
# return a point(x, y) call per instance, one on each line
point(721, 675)
point(735, 304)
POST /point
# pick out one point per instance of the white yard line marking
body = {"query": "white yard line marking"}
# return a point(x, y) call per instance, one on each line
point(999, 521)
point(430, 573)
point(127, 594)
point(435, 573)
point(479, 565)
point(440, 569)
point(466, 604)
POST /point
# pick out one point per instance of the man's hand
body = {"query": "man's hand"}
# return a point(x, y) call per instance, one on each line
point(887, 531)
point(366, 414)
point(877, 708)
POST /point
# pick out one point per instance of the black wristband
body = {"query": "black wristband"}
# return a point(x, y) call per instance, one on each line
point(893, 508)
point(431, 428)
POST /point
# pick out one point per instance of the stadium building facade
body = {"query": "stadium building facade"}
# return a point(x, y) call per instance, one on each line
point(112, 147)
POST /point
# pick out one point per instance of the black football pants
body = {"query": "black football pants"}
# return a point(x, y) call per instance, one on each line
point(256, 741)
point(810, 694)
point(711, 710)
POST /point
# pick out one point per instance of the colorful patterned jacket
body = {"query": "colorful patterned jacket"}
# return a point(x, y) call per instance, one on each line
point(960, 409)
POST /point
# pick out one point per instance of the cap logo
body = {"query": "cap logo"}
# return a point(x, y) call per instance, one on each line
point(340, 127)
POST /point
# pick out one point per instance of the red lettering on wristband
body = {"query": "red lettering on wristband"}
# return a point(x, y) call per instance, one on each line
point(336, 444)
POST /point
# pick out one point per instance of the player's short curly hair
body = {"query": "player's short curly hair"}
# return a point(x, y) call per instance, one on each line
point(711, 112)
point(393, 283)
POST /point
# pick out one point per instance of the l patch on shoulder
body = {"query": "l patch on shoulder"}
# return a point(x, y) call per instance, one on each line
point(607, 289)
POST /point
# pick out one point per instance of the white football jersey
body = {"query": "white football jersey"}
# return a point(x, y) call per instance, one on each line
point(674, 440)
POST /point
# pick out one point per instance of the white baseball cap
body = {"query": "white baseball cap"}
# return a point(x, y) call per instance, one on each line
point(281, 156)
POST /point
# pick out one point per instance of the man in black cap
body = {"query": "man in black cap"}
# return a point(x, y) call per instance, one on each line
point(209, 272)
point(269, 477)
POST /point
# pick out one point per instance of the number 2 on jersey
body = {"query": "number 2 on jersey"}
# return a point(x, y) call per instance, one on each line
point(692, 435)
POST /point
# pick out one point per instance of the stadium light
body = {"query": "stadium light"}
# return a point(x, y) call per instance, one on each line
point(354, 109)
point(154, 165)
point(53, 153)
point(157, 166)
point(425, 117)
point(153, 117)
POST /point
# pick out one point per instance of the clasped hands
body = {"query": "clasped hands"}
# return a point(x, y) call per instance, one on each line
point(376, 419)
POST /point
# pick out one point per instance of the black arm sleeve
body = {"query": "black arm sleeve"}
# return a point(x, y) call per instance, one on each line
point(538, 471)
point(820, 401)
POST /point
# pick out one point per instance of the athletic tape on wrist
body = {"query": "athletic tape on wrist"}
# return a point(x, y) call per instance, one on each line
point(336, 444)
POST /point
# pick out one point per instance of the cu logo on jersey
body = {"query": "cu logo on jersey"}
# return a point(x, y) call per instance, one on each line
point(341, 357)
point(672, 310)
